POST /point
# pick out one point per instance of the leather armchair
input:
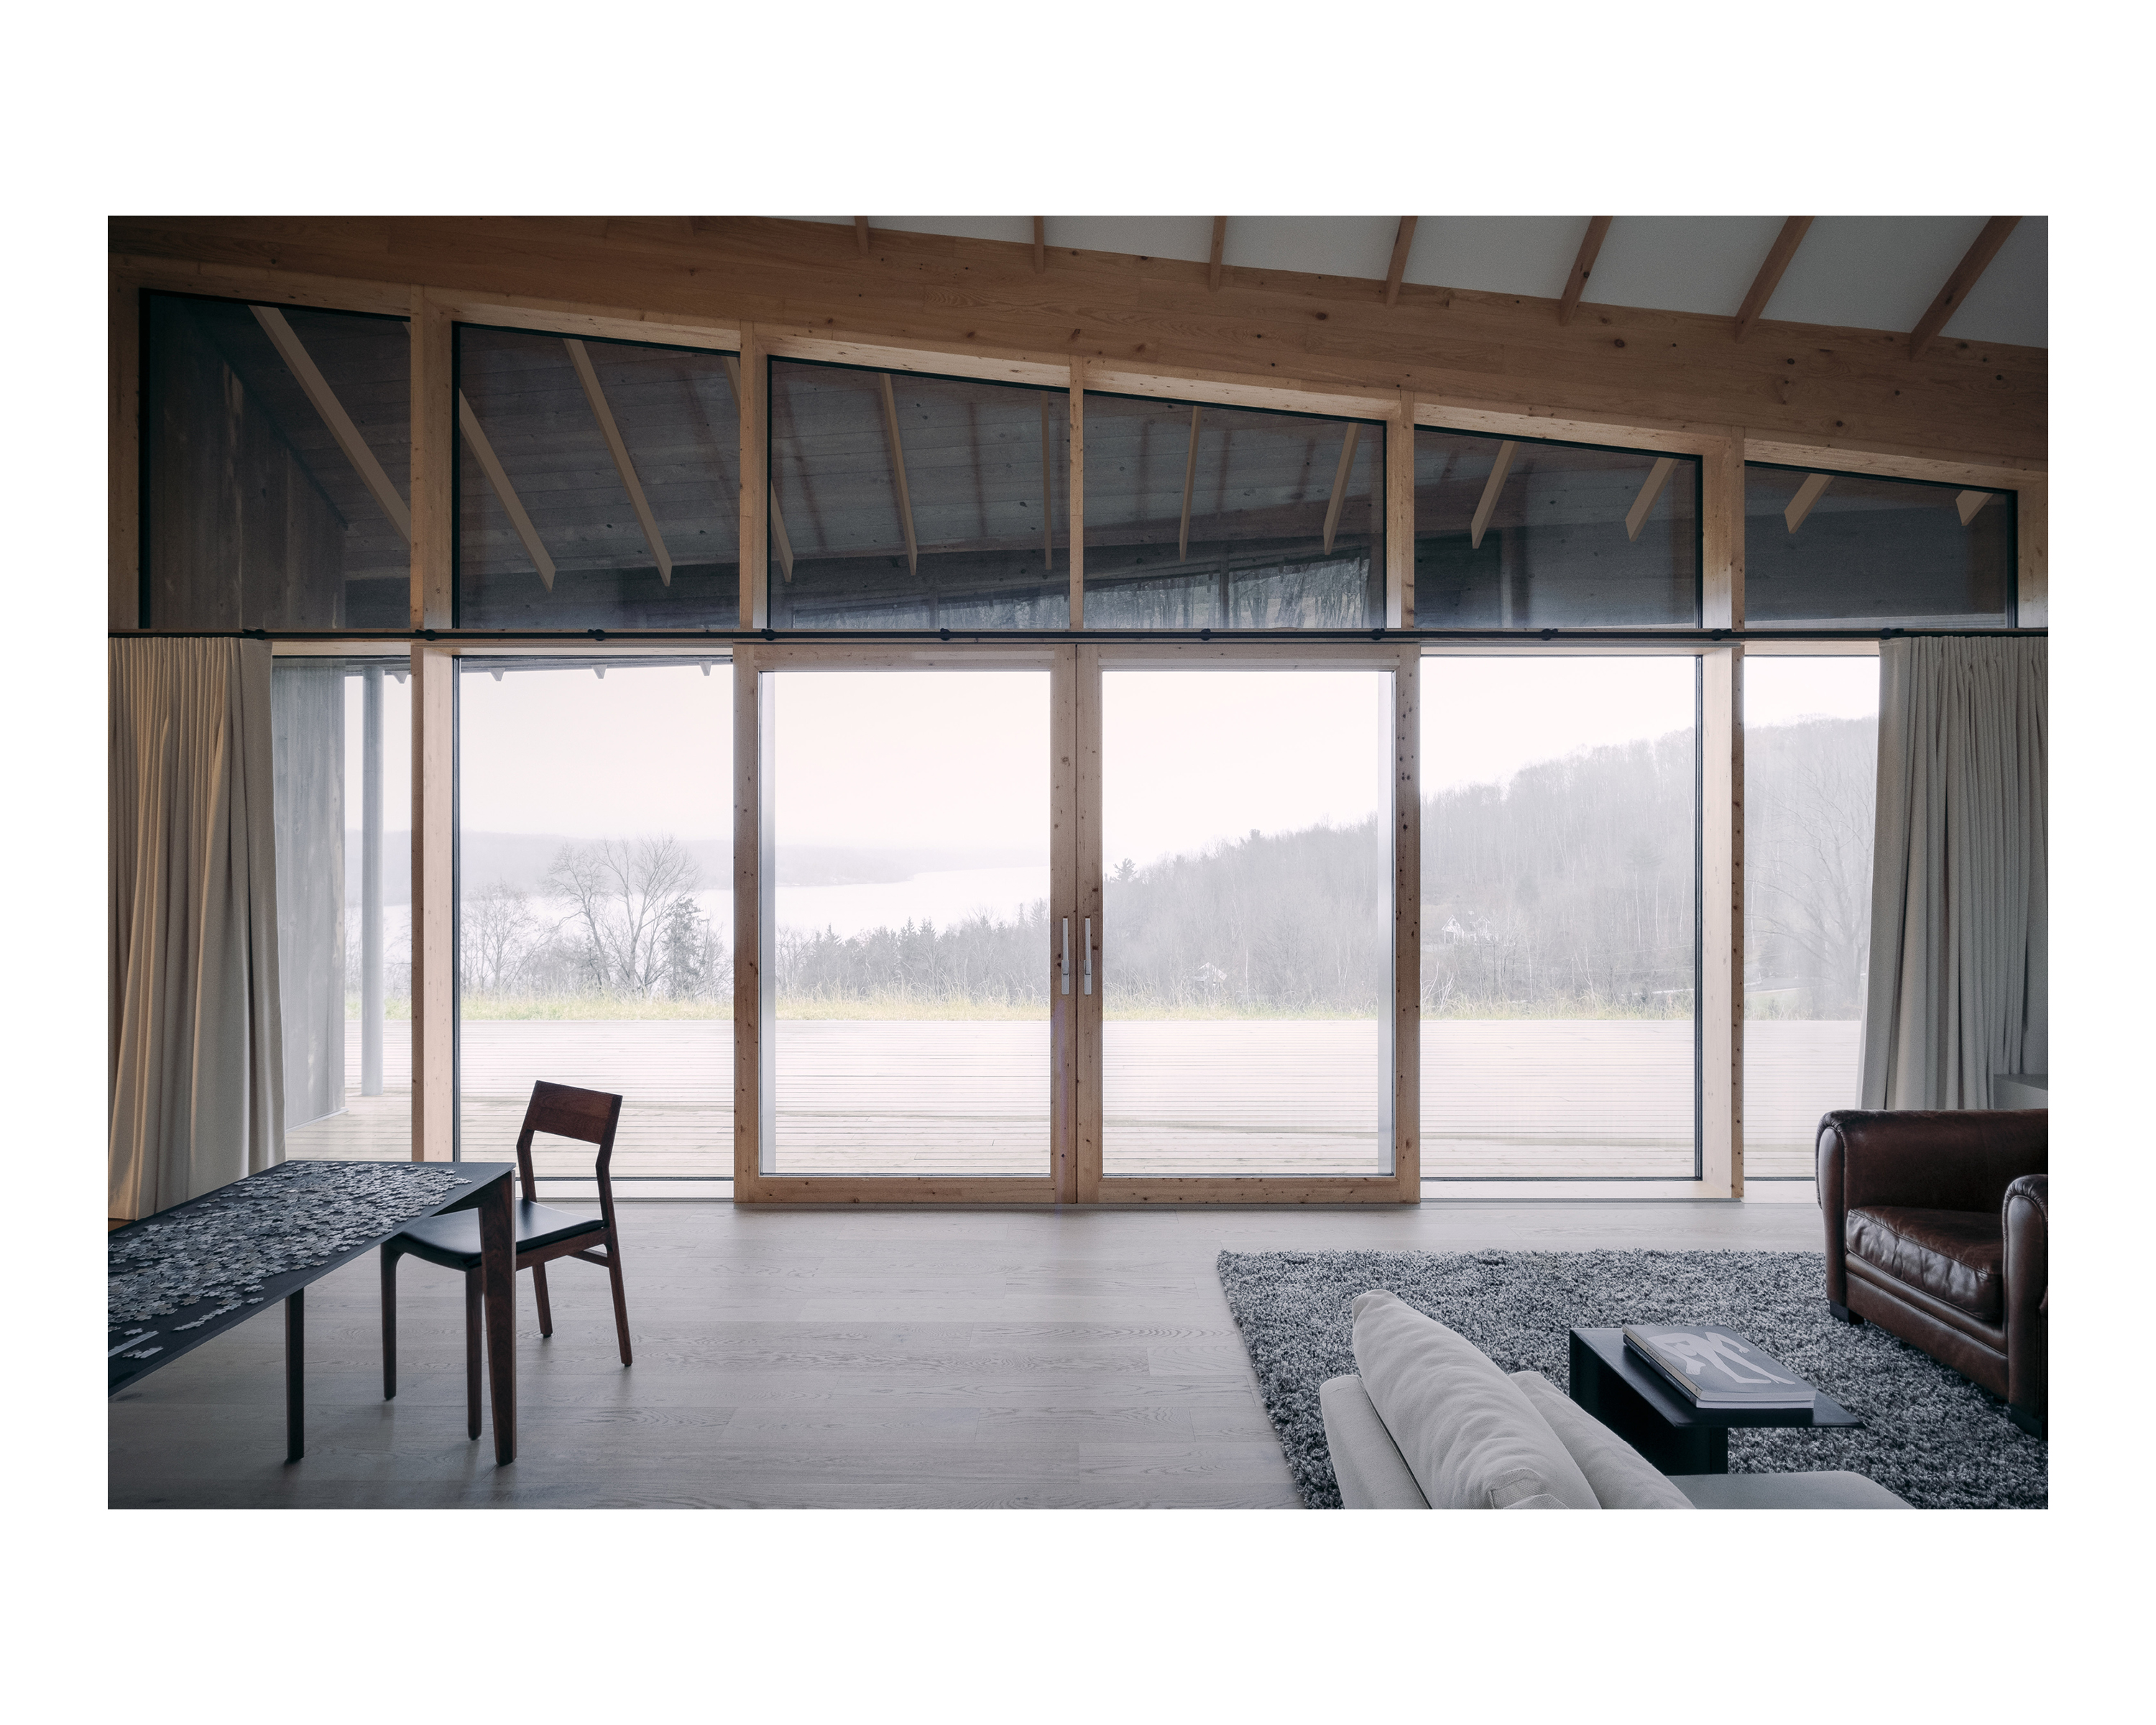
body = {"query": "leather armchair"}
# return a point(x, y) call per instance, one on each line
point(1938, 1230)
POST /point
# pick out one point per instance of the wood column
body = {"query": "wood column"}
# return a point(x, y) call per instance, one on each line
point(2032, 528)
point(755, 982)
point(1406, 1042)
point(1087, 1086)
point(1721, 534)
point(755, 404)
point(1077, 509)
point(433, 463)
point(1063, 923)
point(1721, 1003)
point(1400, 516)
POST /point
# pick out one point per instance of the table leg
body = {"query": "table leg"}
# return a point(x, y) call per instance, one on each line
point(497, 1247)
point(296, 1352)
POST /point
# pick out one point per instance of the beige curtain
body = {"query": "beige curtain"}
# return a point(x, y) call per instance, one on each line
point(1960, 930)
point(197, 1075)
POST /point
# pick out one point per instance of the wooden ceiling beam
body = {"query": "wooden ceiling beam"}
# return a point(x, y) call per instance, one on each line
point(1189, 482)
point(1967, 503)
point(1582, 266)
point(1808, 494)
point(1658, 476)
point(302, 365)
point(1974, 262)
point(1340, 485)
point(623, 465)
point(1491, 488)
point(898, 473)
point(1398, 268)
point(1219, 247)
point(498, 477)
point(1784, 247)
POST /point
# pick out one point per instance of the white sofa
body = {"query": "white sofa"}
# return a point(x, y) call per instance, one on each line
point(1429, 1421)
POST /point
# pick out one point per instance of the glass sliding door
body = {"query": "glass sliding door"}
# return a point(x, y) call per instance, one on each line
point(1560, 917)
point(595, 907)
point(1811, 748)
point(1245, 951)
point(906, 817)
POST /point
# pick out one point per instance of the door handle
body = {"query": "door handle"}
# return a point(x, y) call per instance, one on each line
point(1066, 955)
point(1088, 955)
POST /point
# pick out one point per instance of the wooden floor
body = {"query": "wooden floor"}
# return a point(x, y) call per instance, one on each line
point(811, 1358)
point(1579, 1099)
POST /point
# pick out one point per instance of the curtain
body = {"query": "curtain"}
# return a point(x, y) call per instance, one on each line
point(196, 1067)
point(1959, 983)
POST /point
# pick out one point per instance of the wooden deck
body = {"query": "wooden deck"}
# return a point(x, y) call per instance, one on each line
point(1503, 1099)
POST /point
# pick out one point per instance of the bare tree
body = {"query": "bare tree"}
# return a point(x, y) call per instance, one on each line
point(624, 895)
point(496, 936)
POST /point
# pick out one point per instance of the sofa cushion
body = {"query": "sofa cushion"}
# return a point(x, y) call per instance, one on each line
point(1622, 1478)
point(1468, 1433)
point(1367, 1464)
point(1953, 1256)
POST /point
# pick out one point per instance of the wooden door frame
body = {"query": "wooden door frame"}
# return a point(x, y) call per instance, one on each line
point(1401, 1111)
point(755, 978)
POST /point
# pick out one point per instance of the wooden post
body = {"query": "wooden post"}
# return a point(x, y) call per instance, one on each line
point(755, 983)
point(1721, 1002)
point(1400, 516)
point(1405, 1042)
point(1088, 905)
point(433, 908)
point(1721, 535)
point(755, 404)
point(434, 734)
point(2032, 528)
point(1064, 924)
point(123, 455)
point(1077, 502)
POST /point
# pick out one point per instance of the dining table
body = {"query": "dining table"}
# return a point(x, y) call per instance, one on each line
point(184, 1276)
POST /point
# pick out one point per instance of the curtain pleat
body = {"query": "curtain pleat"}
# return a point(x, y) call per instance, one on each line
point(193, 1039)
point(1960, 984)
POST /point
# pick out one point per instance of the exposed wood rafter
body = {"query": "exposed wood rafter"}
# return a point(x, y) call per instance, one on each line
point(1398, 268)
point(1967, 503)
point(861, 235)
point(1340, 485)
point(1808, 494)
point(1582, 266)
point(1189, 479)
point(1658, 476)
point(1039, 243)
point(780, 543)
point(496, 476)
point(1769, 278)
point(1490, 488)
point(293, 353)
point(604, 414)
point(1219, 246)
point(898, 473)
point(1977, 259)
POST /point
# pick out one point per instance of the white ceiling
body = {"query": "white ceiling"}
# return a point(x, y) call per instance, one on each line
point(1861, 272)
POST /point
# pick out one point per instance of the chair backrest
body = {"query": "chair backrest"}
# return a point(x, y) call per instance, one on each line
point(588, 1116)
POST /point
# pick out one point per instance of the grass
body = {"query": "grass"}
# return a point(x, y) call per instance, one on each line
point(892, 1008)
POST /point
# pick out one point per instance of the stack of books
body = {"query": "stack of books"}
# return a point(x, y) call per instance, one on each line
point(1713, 1368)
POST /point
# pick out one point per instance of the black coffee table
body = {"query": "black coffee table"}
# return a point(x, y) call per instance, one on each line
point(1627, 1395)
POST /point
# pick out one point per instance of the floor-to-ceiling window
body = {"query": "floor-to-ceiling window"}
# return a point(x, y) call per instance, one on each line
point(595, 913)
point(1811, 743)
point(1560, 916)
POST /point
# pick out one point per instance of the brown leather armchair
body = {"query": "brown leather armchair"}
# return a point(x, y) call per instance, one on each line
point(1936, 1228)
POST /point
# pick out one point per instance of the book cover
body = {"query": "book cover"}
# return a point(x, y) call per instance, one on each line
point(1715, 1368)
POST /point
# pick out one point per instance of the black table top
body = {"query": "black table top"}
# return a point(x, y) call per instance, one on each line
point(1609, 1347)
point(170, 1333)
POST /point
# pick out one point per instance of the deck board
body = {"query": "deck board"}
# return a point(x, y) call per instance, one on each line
point(1503, 1098)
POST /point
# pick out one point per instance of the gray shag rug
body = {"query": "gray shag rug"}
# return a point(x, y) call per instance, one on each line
point(1930, 1436)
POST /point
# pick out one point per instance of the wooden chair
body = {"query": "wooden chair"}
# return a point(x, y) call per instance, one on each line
point(542, 1235)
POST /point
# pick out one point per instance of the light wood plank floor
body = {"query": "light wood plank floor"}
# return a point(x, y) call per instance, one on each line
point(880, 1358)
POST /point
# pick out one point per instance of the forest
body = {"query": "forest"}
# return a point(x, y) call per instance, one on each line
point(1568, 891)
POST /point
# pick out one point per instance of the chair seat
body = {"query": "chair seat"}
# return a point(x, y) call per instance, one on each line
point(452, 1240)
point(1955, 1256)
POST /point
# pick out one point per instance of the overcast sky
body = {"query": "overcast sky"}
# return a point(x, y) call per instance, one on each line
point(959, 760)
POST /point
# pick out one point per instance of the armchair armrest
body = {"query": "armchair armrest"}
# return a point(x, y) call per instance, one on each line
point(2026, 1215)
